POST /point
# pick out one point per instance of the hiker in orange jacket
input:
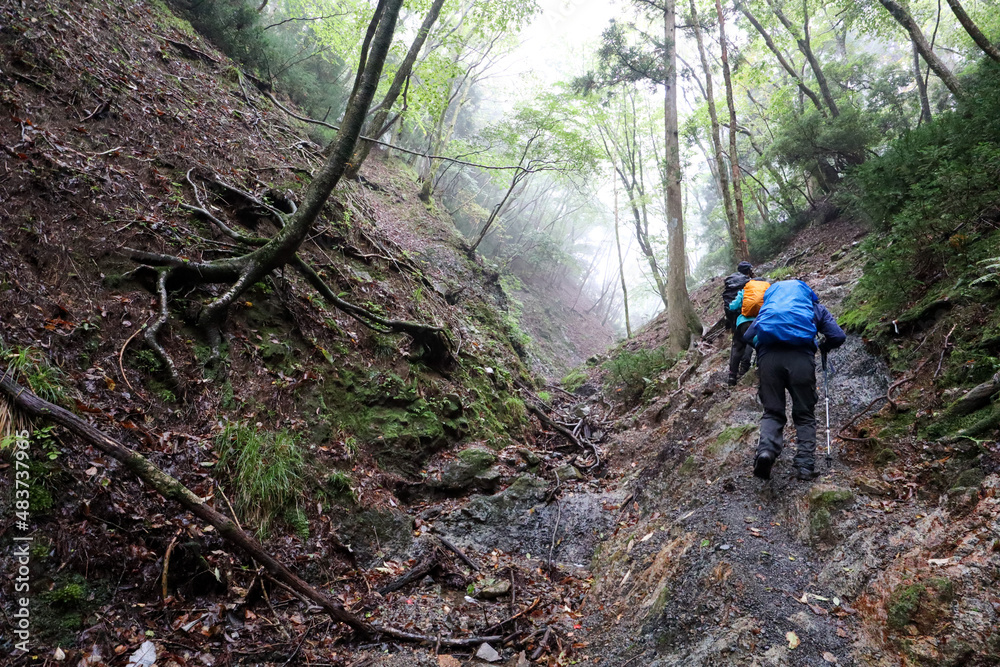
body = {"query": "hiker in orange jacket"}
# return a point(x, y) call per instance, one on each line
point(746, 303)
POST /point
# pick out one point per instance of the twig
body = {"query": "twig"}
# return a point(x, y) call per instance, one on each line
point(541, 645)
point(299, 647)
point(229, 505)
point(527, 610)
point(555, 532)
point(166, 562)
point(121, 353)
point(281, 625)
point(458, 552)
point(944, 349)
point(400, 148)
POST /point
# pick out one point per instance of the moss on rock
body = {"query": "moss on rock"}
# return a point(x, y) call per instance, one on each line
point(903, 605)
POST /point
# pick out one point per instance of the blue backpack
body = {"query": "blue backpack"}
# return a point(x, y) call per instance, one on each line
point(788, 314)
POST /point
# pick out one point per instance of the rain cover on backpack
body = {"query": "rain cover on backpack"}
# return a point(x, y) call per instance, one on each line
point(788, 314)
point(753, 297)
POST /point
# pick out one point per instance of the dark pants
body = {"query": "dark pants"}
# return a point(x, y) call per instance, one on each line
point(741, 353)
point(793, 371)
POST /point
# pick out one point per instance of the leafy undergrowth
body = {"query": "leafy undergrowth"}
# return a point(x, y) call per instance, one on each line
point(312, 431)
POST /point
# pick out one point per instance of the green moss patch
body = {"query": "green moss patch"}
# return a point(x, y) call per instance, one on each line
point(903, 605)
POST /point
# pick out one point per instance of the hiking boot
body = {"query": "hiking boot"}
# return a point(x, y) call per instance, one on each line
point(762, 465)
point(732, 380)
point(806, 474)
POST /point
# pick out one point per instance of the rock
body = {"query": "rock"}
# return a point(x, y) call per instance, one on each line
point(873, 487)
point(487, 653)
point(467, 469)
point(568, 473)
point(492, 589)
point(885, 456)
point(962, 498)
point(368, 531)
point(517, 520)
point(522, 660)
point(530, 457)
point(452, 406)
point(488, 480)
point(829, 496)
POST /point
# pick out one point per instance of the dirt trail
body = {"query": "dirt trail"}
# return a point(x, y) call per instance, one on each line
point(718, 567)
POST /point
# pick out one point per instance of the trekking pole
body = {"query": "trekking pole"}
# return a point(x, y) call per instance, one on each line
point(826, 392)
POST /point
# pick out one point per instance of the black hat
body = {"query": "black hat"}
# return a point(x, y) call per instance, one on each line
point(745, 268)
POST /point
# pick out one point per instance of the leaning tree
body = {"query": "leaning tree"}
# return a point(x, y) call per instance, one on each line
point(255, 257)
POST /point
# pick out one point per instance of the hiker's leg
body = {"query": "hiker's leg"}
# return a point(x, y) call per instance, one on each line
point(802, 387)
point(772, 396)
point(735, 355)
point(747, 353)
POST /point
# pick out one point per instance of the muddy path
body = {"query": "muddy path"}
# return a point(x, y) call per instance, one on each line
point(724, 566)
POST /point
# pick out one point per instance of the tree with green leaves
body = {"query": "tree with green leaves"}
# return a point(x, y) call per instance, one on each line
point(535, 138)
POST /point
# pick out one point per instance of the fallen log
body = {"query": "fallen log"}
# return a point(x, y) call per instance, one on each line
point(172, 489)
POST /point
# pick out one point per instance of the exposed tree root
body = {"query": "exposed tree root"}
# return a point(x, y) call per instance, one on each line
point(565, 432)
point(153, 329)
point(433, 340)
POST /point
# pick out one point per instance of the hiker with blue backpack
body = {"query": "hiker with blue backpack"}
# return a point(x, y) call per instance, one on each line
point(784, 334)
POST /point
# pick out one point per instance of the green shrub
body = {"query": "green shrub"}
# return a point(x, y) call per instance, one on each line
point(31, 366)
point(631, 374)
point(768, 239)
point(575, 379)
point(265, 471)
point(924, 198)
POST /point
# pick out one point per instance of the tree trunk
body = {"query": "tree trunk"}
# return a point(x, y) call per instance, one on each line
point(621, 267)
point(974, 32)
point(377, 126)
point(740, 247)
point(681, 318)
point(925, 104)
point(281, 249)
point(720, 167)
point(904, 19)
point(806, 48)
point(803, 88)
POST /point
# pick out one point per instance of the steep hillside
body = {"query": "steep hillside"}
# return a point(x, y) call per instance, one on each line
point(312, 430)
point(478, 512)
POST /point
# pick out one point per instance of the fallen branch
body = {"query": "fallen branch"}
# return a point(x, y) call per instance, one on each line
point(443, 641)
point(172, 489)
point(527, 610)
point(417, 572)
point(189, 51)
point(564, 432)
point(944, 348)
point(541, 645)
point(458, 552)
